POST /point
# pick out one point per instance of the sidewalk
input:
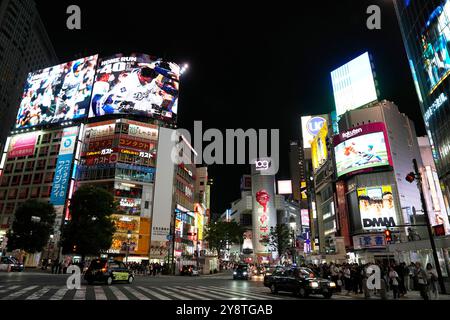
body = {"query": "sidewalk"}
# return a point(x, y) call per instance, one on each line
point(411, 295)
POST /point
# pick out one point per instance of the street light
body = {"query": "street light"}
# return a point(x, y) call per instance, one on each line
point(411, 177)
point(128, 245)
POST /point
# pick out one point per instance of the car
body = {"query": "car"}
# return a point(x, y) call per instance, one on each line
point(242, 271)
point(300, 281)
point(9, 263)
point(108, 271)
point(189, 271)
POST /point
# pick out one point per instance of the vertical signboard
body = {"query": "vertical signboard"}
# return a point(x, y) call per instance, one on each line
point(63, 166)
point(264, 212)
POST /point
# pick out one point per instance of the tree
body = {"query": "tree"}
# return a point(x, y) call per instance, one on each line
point(90, 229)
point(279, 239)
point(33, 223)
point(217, 234)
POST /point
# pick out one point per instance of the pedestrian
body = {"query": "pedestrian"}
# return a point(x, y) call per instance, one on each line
point(432, 279)
point(347, 279)
point(394, 282)
point(412, 277)
point(422, 282)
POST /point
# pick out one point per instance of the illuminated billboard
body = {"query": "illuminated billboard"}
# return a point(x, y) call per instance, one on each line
point(376, 207)
point(362, 149)
point(319, 151)
point(353, 84)
point(22, 145)
point(139, 84)
point(59, 93)
point(284, 187)
point(310, 128)
point(435, 46)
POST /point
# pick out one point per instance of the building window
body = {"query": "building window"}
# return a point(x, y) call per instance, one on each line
point(19, 167)
point(23, 194)
point(43, 151)
point(29, 166)
point(37, 178)
point(8, 168)
point(5, 181)
point(54, 149)
point(15, 180)
point(51, 163)
point(9, 208)
point(12, 194)
point(2, 196)
point(35, 192)
point(40, 165)
point(46, 191)
point(49, 177)
point(46, 138)
point(26, 179)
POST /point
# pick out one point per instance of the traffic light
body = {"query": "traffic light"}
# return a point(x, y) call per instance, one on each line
point(410, 177)
point(388, 236)
point(74, 248)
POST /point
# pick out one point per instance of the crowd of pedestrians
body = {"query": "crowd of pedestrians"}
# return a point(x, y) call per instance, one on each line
point(400, 278)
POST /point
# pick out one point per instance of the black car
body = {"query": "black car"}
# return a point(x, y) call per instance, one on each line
point(108, 271)
point(300, 281)
point(10, 263)
point(189, 271)
point(242, 271)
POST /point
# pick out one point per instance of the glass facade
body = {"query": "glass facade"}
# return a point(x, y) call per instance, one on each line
point(425, 27)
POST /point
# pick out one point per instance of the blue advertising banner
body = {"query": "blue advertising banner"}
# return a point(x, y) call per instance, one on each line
point(63, 166)
point(61, 180)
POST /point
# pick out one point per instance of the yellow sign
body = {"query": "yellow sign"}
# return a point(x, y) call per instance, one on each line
point(319, 151)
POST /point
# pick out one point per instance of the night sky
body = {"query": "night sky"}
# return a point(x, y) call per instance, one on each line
point(251, 66)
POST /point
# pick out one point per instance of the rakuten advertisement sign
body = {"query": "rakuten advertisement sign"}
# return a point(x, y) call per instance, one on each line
point(361, 149)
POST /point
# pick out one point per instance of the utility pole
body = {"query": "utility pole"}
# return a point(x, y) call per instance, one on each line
point(430, 233)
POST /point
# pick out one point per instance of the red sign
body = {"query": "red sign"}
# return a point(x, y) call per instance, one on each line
point(22, 145)
point(100, 145)
point(262, 197)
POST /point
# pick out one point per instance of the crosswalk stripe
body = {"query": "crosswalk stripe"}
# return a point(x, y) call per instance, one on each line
point(137, 294)
point(99, 293)
point(59, 295)
point(38, 294)
point(173, 294)
point(250, 295)
point(118, 294)
point(9, 289)
point(235, 294)
point(19, 293)
point(215, 295)
point(154, 293)
point(196, 296)
point(80, 294)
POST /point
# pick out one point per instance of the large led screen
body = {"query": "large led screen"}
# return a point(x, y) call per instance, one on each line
point(59, 93)
point(376, 206)
point(353, 84)
point(435, 46)
point(140, 85)
point(361, 148)
point(319, 150)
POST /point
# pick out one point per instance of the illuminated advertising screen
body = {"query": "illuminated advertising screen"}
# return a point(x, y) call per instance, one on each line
point(22, 145)
point(284, 187)
point(362, 149)
point(310, 128)
point(376, 206)
point(353, 84)
point(59, 93)
point(435, 46)
point(319, 151)
point(305, 217)
point(140, 85)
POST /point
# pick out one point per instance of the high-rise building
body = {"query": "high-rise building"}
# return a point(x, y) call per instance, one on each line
point(24, 46)
point(89, 131)
point(374, 152)
point(425, 27)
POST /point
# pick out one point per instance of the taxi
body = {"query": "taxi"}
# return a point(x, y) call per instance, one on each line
point(108, 271)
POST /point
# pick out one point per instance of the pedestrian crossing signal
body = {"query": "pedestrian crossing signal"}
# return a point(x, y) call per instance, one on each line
point(388, 236)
